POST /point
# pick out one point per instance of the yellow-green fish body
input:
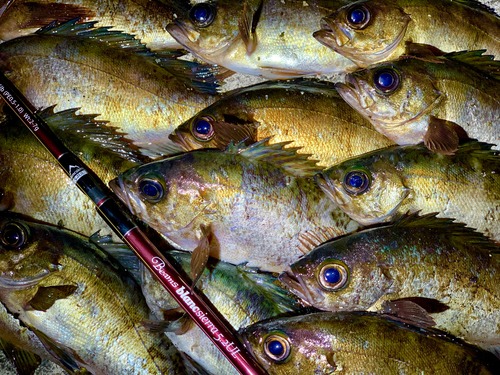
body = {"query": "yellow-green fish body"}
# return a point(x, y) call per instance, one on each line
point(416, 100)
point(106, 73)
point(79, 302)
point(146, 19)
point(383, 185)
point(359, 343)
point(372, 31)
point(256, 203)
point(448, 270)
point(268, 38)
point(311, 116)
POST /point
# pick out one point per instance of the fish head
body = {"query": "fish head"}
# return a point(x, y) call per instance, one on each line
point(369, 189)
point(290, 346)
point(216, 127)
point(365, 32)
point(29, 251)
point(168, 195)
point(391, 95)
point(209, 28)
point(340, 275)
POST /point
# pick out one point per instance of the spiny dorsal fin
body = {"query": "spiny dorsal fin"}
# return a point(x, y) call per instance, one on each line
point(313, 238)
point(478, 6)
point(484, 63)
point(454, 230)
point(84, 127)
point(277, 155)
point(481, 150)
point(113, 38)
point(24, 361)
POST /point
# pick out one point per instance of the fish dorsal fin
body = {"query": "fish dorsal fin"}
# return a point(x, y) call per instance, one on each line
point(454, 230)
point(484, 63)
point(24, 361)
point(73, 128)
point(478, 6)
point(275, 154)
point(313, 238)
point(113, 38)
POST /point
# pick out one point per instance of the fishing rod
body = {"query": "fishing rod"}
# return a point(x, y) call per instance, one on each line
point(207, 319)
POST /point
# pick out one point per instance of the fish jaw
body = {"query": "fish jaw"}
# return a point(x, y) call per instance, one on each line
point(186, 142)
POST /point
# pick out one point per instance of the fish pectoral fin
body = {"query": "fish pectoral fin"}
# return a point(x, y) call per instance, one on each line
point(313, 238)
point(443, 136)
point(247, 25)
point(235, 130)
point(431, 305)
point(24, 361)
point(424, 52)
point(208, 245)
point(179, 326)
point(407, 311)
point(66, 357)
point(45, 297)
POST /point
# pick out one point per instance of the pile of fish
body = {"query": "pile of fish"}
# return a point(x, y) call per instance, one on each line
point(343, 226)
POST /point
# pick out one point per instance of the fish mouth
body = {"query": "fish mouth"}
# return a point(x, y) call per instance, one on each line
point(332, 35)
point(355, 93)
point(185, 143)
point(184, 34)
point(296, 285)
point(332, 190)
point(118, 187)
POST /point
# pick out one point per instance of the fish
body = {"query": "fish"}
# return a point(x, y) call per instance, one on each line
point(359, 343)
point(255, 204)
point(436, 100)
point(146, 19)
point(418, 267)
point(371, 31)
point(241, 294)
point(111, 74)
point(81, 304)
point(310, 115)
point(270, 39)
point(383, 185)
point(32, 182)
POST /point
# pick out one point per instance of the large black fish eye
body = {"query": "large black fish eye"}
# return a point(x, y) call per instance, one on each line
point(202, 14)
point(386, 80)
point(13, 235)
point(356, 182)
point(277, 348)
point(358, 16)
point(333, 276)
point(151, 189)
point(202, 128)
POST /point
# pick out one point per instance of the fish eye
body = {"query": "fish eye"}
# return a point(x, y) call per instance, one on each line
point(358, 17)
point(386, 80)
point(356, 182)
point(151, 189)
point(14, 235)
point(202, 128)
point(333, 276)
point(202, 14)
point(277, 348)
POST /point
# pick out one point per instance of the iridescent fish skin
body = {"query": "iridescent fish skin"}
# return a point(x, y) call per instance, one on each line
point(257, 211)
point(33, 183)
point(311, 116)
point(79, 301)
point(372, 31)
point(105, 73)
point(359, 343)
point(449, 270)
point(383, 185)
point(268, 38)
point(146, 19)
point(242, 295)
point(414, 100)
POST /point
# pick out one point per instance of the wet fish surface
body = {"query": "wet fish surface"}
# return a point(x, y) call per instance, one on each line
point(268, 38)
point(435, 100)
point(372, 31)
point(310, 115)
point(423, 269)
point(359, 343)
point(255, 204)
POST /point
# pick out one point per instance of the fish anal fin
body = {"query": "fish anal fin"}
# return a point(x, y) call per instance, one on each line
point(208, 245)
point(409, 312)
point(24, 361)
point(247, 25)
point(45, 297)
point(443, 136)
point(313, 238)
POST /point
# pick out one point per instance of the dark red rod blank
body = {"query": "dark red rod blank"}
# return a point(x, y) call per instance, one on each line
point(208, 320)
